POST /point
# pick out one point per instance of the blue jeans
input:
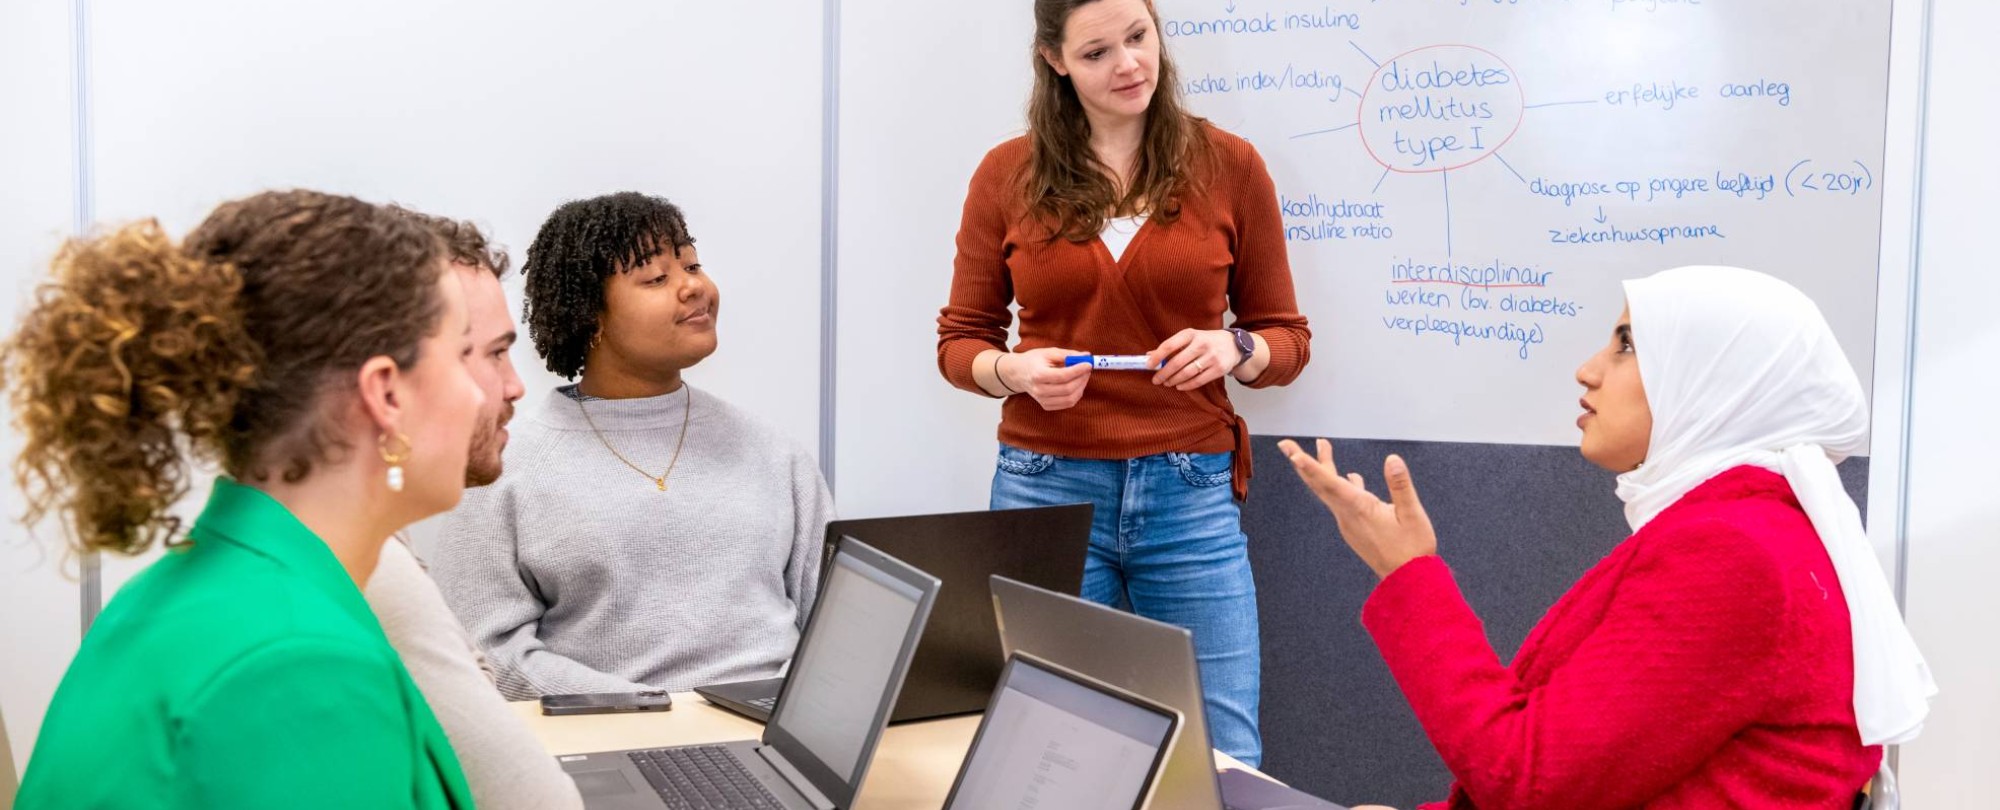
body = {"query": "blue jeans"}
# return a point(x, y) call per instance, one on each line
point(1166, 542)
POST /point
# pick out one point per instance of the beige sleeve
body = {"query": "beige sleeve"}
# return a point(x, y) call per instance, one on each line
point(505, 765)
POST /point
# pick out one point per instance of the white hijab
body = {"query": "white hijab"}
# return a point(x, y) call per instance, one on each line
point(1741, 368)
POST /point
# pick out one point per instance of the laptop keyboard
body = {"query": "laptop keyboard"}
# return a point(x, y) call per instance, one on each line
point(704, 777)
point(767, 704)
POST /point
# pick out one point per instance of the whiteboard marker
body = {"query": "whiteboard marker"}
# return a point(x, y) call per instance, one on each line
point(1112, 362)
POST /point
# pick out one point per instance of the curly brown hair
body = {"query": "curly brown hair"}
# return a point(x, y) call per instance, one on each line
point(464, 243)
point(229, 347)
point(1065, 186)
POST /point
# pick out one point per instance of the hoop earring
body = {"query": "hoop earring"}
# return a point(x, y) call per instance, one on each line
point(394, 458)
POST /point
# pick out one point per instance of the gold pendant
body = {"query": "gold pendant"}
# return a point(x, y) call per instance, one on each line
point(661, 483)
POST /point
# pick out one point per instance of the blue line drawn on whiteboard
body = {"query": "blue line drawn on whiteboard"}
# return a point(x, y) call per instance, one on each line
point(1325, 131)
point(1364, 54)
point(1446, 174)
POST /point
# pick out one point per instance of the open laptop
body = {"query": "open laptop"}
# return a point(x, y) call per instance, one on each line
point(817, 748)
point(1054, 738)
point(958, 661)
point(1152, 659)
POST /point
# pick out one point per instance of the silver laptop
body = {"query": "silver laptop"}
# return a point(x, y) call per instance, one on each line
point(1152, 659)
point(1054, 738)
point(816, 750)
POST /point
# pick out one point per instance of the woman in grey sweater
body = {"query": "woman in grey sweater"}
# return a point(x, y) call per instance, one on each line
point(646, 535)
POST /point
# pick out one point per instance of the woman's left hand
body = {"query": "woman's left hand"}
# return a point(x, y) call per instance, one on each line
point(1383, 535)
point(1194, 358)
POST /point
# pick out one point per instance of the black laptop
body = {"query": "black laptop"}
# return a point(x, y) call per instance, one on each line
point(959, 659)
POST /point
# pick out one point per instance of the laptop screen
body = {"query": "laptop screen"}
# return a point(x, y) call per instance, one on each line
point(1052, 741)
point(842, 675)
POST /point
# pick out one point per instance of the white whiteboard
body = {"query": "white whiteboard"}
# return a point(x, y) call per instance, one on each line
point(1465, 182)
point(910, 138)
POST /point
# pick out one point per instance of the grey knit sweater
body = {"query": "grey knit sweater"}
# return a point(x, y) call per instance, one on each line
point(576, 574)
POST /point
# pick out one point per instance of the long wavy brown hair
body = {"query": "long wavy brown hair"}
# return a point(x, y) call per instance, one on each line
point(1067, 188)
point(141, 354)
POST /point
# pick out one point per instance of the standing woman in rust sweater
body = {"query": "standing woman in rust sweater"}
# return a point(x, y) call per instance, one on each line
point(1123, 225)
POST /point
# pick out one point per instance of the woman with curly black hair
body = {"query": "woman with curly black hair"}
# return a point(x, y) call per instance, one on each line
point(647, 535)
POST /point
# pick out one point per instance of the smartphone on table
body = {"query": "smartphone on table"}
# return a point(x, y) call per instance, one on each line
point(650, 700)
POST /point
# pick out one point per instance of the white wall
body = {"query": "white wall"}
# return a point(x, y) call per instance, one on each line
point(1953, 528)
point(900, 198)
point(498, 111)
point(38, 608)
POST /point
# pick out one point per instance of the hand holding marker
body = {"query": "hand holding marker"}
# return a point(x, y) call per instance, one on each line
point(1055, 377)
point(1113, 362)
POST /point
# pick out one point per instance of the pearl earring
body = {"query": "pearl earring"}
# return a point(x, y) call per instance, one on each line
point(395, 458)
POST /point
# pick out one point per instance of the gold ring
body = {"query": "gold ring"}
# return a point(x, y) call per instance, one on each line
point(1198, 366)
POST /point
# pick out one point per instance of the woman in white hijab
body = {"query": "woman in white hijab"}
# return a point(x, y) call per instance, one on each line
point(1741, 649)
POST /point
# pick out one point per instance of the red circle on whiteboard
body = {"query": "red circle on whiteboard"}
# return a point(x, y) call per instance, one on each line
point(1361, 116)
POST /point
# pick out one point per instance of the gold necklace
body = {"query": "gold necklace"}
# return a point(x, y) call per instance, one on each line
point(659, 481)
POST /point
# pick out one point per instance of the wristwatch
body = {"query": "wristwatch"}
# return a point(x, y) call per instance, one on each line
point(1244, 344)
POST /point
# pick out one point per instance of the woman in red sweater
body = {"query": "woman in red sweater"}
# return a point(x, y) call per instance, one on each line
point(1741, 649)
point(1122, 225)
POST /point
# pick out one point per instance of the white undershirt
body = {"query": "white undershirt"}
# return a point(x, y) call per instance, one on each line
point(1118, 233)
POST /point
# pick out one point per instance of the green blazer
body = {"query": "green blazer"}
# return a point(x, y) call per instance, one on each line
point(242, 670)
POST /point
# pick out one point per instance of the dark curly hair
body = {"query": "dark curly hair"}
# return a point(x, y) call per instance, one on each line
point(140, 353)
point(580, 246)
point(464, 242)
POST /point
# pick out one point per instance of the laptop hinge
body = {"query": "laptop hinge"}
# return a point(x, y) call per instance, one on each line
point(797, 779)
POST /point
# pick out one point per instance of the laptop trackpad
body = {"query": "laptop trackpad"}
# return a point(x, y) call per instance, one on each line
point(599, 784)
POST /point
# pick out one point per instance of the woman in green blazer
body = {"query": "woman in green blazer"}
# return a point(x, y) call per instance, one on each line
point(315, 346)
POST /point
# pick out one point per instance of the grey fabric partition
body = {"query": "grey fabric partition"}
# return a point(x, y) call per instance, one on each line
point(1518, 524)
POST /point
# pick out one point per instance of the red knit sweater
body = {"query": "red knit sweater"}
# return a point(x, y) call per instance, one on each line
point(1705, 663)
point(1225, 253)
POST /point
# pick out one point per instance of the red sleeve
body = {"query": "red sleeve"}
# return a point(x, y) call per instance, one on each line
point(1260, 285)
point(977, 317)
point(1669, 674)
